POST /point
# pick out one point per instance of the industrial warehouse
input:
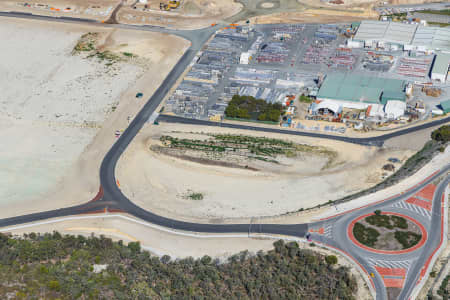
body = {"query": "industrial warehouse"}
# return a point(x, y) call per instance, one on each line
point(372, 73)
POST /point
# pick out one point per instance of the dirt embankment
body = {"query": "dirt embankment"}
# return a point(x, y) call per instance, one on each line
point(158, 182)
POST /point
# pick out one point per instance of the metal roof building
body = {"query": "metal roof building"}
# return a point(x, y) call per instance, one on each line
point(389, 32)
point(440, 67)
point(357, 88)
point(433, 38)
point(446, 106)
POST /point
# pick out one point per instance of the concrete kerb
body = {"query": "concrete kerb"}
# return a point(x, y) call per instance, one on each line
point(435, 255)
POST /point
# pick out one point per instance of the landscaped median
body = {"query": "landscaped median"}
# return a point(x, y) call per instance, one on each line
point(387, 233)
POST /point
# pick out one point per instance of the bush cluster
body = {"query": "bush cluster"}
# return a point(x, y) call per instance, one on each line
point(53, 266)
point(247, 107)
point(365, 235)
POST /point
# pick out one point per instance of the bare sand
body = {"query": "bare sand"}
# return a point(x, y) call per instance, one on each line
point(59, 112)
point(159, 183)
point(192, 14)
point(99, 10)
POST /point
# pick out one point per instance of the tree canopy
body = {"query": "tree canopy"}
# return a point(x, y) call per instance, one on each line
point(247, 107)
point(52, 266)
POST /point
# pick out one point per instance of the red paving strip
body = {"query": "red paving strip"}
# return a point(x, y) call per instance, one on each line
point(99, 195)
point(321, 230)
point(391, 271)
point(393, 282)
point(422, 203)
point(101, 211)
point(112, 210)
point(423, 181)
point(425, 267)
point(427, 192)
point(420, 244)
point(348, 255)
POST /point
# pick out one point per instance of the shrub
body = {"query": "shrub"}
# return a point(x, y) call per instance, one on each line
point(331, 259)
point(365, 235)
point(408, 239)
point(442, 134)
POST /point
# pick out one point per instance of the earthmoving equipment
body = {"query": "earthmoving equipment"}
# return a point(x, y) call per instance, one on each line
point(174, 4)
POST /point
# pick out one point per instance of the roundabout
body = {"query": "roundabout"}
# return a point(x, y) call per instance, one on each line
point(387, 233)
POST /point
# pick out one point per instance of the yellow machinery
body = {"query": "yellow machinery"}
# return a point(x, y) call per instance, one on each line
point(174, 4)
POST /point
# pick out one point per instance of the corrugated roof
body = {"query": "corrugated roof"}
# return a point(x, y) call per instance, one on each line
point(445, 106)
point(441, 63)
point(437, 38)
point(356, 88)
point(392, 32)
point(392, 95)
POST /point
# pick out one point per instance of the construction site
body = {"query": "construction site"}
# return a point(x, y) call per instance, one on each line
point(281, 63)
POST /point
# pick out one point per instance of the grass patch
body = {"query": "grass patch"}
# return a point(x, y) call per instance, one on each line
point(365, 235)
point(305, 99)
point(437, 12)
point(439, 24)
point(128, 54)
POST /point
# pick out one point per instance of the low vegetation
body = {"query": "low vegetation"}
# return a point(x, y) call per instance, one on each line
point(442, 134)
point(305, 99)
point(247, 107)
point(444, 289)
point(194, 196)
point(408, 239)
point(439, 140)
point(387, 221)
point(365, 235)
point(369, 235)
point(53, 266)
point(87, 44)
point(437, 12)
point(257, 148)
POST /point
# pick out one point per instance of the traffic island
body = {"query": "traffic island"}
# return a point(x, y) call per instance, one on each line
point(387, 233)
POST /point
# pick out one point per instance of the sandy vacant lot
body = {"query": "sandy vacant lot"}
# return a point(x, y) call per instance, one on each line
point(59, 111)
point(160, 183)
point(91, 9)
point(191, 14)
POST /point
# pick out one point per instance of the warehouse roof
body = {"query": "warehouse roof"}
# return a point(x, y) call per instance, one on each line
point(437, 38)
point(357, 88)
point(446, 106)
point(441, 63)
point(392, 32)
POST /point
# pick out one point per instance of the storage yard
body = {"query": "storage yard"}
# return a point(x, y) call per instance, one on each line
point(279, 63)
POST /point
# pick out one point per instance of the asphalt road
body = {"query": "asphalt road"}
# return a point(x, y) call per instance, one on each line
point(370, 141)
point(114, 199)
point(340, 240)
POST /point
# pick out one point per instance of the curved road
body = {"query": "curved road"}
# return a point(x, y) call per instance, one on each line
point(111, 198)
